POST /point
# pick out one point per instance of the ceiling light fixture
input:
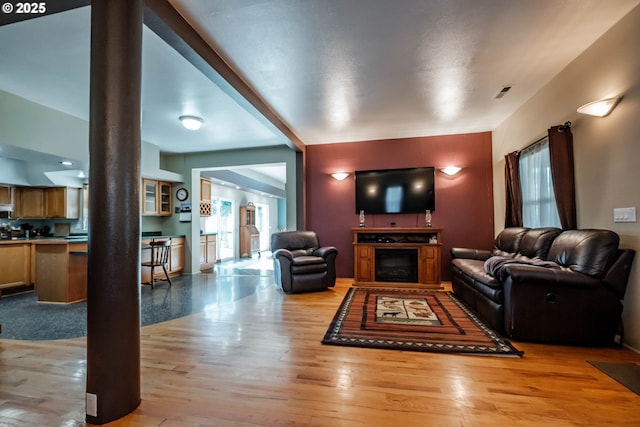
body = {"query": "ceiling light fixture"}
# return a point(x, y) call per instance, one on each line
point(450, 170)
point(191, 122)
point(600, 108)
point(340, 176)
point(66, 163)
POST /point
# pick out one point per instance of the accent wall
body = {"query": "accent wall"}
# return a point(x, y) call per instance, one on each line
point(464, 202)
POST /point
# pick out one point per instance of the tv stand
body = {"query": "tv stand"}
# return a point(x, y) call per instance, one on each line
point(397, 256)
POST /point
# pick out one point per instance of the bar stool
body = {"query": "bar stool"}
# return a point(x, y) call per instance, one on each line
point(159, 258)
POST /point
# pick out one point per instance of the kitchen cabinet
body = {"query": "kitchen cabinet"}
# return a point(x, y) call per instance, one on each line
point(208, 251)
point(156, 197)
point(164, 198)
point(5, 195)
point(249, 234)
point(15, 264)
point(60, 271)
point(62, 202)
point(50, 202)
point(29, 202)
point(176, 255)
point(176, 258)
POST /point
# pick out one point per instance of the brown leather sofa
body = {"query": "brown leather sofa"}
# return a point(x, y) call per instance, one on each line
point(300, 264)
point(547, 285)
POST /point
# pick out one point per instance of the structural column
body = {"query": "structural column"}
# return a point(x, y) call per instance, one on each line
point(113, 304)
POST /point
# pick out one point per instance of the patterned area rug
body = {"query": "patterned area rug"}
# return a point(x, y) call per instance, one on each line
point(413, 319)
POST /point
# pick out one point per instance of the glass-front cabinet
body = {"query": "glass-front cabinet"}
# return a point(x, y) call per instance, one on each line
point(156, 197)
point(149, 197)
point(164, 206)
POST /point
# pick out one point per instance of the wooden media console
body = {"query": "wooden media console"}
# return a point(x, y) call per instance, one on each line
point(397, 256)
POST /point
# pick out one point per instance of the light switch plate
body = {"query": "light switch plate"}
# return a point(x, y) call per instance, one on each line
point(624, 214)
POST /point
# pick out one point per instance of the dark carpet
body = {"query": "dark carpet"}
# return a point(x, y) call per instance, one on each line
point(627, 374)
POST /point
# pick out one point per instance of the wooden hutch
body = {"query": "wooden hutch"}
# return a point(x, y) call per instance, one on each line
point(249, 234)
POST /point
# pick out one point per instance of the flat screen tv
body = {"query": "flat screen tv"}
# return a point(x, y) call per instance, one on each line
point(390, 191)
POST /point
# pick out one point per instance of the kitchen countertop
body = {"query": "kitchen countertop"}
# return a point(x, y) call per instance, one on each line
point(71, 239)
point(43, 240)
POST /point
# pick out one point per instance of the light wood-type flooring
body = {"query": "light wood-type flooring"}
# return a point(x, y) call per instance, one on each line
point(258, 361)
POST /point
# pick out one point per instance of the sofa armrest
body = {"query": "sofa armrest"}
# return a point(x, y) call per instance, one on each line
point(558, 305)
point(325, 251)
point(283, 253)
point(528, 275)
point(329, 254)
point(479, 254)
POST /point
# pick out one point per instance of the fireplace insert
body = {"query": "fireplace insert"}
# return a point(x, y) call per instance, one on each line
point(396, 265)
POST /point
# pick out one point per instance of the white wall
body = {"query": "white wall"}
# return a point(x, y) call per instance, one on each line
point(607, 150)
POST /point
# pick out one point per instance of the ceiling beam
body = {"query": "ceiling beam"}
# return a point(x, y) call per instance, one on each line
point(186, 34)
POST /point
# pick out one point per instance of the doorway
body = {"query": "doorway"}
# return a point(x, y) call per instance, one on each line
point(222, 221)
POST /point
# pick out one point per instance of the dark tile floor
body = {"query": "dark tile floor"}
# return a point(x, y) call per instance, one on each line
point(23, 318)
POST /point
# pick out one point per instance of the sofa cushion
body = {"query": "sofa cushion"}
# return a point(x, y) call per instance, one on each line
point(475, 270)
point(301, 252)
point(308, 264)
point(293, 240)
point(508, 241)
point(536, 242)
point(586, 251)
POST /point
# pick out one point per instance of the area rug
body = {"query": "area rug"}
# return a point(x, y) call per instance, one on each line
point(627, 374)
point(413, 319)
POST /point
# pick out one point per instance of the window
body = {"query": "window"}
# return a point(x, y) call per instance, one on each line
point(538, 201)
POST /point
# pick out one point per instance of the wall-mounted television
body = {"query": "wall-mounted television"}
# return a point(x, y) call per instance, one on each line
point(389, 191)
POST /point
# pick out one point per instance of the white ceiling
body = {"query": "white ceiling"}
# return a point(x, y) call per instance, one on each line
point(333, 71)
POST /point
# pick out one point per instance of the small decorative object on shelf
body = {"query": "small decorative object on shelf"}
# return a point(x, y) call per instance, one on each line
point(427, 218)
point(361, 218)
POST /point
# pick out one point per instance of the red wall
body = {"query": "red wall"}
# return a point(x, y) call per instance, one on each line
point(464, 202)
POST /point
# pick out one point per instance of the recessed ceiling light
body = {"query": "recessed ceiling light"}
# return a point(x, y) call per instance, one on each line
point(66, 163)
point(191, 122)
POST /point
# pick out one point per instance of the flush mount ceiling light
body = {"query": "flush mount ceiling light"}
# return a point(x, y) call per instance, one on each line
point(340, 176)
point(450, 170)
point(191, 122)
point(66, 163)
point(599, 108)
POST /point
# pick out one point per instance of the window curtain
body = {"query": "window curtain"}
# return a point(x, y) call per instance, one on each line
point(513, 213)
point(562, 173)
point(538, 199)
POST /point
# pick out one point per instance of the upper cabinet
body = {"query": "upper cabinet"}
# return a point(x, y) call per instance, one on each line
point(29, 202)
point(52, 202)
point(156, 197)
point(5, 195)
point(62, 202)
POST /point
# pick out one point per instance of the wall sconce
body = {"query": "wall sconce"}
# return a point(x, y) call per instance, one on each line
point(599, 108)
point(191, 122)
point(450, 170)
point(340, 176)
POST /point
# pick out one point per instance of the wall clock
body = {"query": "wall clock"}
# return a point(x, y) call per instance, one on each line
point(182, 194)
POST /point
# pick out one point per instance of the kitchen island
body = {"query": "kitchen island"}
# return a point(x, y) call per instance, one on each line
point(56, 267)
point(60, 270)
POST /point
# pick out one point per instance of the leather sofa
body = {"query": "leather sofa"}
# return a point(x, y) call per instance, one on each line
point(547, 285)
point(300, 264)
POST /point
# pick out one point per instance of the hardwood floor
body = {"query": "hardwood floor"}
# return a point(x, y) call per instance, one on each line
point(258, 361)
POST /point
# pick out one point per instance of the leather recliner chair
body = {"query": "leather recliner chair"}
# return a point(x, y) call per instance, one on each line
point(300, 264)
